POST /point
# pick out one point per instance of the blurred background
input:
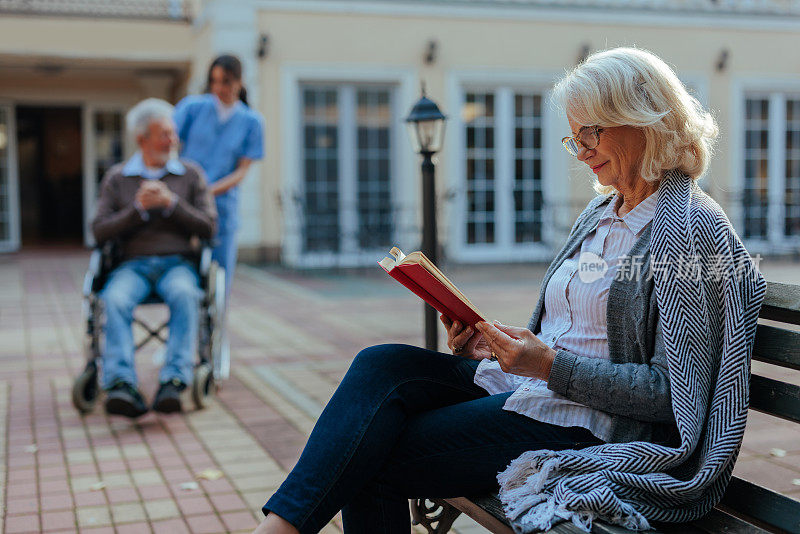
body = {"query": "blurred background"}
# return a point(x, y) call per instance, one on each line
point(339, 186)
point(335, 79)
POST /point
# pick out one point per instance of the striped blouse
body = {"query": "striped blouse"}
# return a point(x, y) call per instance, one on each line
point(574, 319)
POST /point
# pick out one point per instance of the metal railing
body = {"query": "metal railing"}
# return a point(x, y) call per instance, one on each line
point(177, 10)
point(401, 220)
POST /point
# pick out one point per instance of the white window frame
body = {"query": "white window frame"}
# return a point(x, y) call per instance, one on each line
point(776, 90)
point(405, 186)
point(555, 164)
point(13, 242)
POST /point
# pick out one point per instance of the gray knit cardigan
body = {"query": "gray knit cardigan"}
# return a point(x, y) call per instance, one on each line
point(636, 395)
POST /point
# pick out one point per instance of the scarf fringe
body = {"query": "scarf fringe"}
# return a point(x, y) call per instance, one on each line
point(532, 506)
point(545, 514)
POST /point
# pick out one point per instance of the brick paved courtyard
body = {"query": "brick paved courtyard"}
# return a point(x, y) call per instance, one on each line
point(293, 336)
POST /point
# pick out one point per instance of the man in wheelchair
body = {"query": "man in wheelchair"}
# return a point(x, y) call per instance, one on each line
point(152, 206)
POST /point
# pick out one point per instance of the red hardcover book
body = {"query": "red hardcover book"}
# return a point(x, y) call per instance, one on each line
point(425, 280)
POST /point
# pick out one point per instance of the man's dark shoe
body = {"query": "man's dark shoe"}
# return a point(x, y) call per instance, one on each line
point(168, 398)
point(124, 399)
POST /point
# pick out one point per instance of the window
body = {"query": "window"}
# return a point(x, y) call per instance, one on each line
point(771, 186)
point(108, 139)
point(321, 169)
point(480, 168)
point(374, 122)
point(527, 168)
point(347, 167)
point(104, 139)
point(792, 186)
point(756, 152)
point(503, 170)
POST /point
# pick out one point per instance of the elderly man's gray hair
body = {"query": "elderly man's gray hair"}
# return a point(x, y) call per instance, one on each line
point(138, 119)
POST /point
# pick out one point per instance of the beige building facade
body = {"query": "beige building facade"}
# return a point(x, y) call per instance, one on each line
point(334, 81)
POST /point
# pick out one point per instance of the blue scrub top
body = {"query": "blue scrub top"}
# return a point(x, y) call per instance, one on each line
point(217, 146)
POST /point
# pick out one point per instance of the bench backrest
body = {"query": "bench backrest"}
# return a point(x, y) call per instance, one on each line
point(778, 346)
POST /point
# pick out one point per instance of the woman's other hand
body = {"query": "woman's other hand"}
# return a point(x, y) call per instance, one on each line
point(466, 342)
point(517, 350)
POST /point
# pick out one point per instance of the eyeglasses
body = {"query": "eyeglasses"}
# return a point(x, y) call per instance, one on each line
point(588, 137)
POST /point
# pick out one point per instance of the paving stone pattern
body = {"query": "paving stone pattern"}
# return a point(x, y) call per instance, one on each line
point(293, 335)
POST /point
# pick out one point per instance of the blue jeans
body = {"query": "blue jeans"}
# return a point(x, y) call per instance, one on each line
point(174, 279)
point(406, 423)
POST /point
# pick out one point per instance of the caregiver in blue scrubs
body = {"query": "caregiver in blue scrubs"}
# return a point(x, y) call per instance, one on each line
point(223, 135)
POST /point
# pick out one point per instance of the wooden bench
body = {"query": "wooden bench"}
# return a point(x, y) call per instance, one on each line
point(746, 507)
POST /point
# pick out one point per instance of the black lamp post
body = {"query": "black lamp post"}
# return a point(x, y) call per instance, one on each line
point(426, 128)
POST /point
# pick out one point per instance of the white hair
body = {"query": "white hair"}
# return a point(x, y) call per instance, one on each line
point(633, 87)
point(138, 119)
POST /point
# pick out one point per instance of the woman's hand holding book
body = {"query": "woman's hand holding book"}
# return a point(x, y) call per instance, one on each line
point(466, 342)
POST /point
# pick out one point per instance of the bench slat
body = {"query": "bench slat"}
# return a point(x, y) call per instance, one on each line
point(603, 528)
point(782, 303)
point(750, 500)
point(483, 511)
point(719, 522)
point(775, 398)
point(777, 346)
point(491, 503)
point(478, 508)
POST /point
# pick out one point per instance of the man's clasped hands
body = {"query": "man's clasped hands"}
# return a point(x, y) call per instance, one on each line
point(154, 194)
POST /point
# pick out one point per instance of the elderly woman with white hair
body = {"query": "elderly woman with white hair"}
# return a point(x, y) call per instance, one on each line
point(625, 397)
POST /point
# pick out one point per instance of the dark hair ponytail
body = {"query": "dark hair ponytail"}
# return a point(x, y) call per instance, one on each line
point(232, 67)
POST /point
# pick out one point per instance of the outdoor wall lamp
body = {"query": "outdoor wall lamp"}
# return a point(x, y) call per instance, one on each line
point(431, 50)
point(426, 129)
point(583, 53)
point(722, 60)
point(263, 46)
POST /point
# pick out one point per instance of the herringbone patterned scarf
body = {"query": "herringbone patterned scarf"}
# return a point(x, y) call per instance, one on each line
point(709, 324)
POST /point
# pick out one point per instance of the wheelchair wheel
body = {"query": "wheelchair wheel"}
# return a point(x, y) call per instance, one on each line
point(202, 385)
point(86, 389)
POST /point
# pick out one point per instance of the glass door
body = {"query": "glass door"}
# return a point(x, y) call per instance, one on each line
point(347, 208)
point(503, 177)
point(9, 197)
point(104, 146)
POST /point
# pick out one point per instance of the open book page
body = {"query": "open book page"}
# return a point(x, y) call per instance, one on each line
point(398, 258)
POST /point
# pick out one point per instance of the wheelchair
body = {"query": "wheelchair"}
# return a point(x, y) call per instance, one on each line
point(213, 362)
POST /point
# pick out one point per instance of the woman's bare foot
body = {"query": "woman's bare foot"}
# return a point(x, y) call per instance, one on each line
point(274, 524)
